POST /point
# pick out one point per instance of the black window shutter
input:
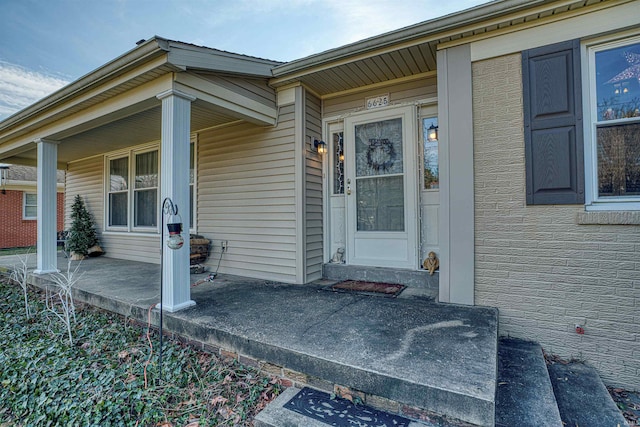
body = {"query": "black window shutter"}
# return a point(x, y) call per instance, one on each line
point(553, 134)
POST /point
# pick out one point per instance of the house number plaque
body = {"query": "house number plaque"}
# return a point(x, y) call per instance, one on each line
point(377, 101)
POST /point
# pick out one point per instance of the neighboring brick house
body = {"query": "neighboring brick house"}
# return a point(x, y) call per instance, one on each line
point(18, 206)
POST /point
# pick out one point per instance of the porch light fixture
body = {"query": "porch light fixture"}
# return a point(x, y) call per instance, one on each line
point(432, 133)
point(4, 176)
point(320, 146)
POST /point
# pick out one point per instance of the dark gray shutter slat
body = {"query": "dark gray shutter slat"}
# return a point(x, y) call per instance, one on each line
point(554, 149)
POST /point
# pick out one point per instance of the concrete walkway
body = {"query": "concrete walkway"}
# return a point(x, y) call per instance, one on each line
point(436, 357)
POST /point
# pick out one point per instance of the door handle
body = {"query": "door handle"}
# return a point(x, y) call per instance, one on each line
point(348, 191)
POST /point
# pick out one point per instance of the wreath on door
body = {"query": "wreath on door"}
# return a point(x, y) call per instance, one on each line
point(380, 154)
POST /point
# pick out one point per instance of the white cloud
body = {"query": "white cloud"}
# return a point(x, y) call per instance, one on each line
point(20, 87)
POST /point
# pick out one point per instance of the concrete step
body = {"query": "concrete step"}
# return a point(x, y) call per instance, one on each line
point(409, 278)
point(524, 396)
point(426, 358)
point(582, 398)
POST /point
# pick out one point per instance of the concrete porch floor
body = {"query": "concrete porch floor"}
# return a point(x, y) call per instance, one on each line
point(420, 354)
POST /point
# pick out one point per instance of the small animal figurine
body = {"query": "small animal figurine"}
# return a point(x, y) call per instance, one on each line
point(431, 263)
point(338, 257)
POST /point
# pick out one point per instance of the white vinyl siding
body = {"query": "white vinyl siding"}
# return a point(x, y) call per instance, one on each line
point(85, 177)
point(246, 196)
point(313, 192)
point(401, 93)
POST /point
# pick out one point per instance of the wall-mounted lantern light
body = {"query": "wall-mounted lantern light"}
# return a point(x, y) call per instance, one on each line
point(320, 146)
point(432, 133)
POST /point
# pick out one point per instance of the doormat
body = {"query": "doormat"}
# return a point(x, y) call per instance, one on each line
point(340, 412)
point(389, 290)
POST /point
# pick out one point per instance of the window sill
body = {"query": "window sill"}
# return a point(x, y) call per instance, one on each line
point(131, 233)
point(608, 218)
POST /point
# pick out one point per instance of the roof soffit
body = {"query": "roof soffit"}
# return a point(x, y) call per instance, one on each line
point(411, 50)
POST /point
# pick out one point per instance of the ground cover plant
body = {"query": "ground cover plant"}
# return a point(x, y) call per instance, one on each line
point(101, 379)
point(18, 251)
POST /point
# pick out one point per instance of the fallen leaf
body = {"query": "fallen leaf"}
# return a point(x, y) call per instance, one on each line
point(219, 399)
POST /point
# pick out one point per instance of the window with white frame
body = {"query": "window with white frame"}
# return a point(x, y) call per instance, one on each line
point(430, 153)
point(338, 162)
point(614, 123)
point(118, 192)
point(134, 207)
point(145, 192)
point(30, 206)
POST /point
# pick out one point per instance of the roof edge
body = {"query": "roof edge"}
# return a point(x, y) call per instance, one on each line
point(434, 26)
point(149, 49)
point(206, 49)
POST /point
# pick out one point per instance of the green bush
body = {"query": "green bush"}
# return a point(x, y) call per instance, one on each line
point(82, 234)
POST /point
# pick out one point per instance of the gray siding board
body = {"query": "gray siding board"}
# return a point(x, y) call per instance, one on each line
point(313, 193)
point(402, 92)
point(246, 195)
point(84, 178)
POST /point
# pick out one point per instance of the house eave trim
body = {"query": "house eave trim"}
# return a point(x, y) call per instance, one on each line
point(191, 57)
point(433, 29)
point(235, 103)
point(149, 50)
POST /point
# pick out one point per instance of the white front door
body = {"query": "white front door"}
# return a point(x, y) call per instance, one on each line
point(381, 189)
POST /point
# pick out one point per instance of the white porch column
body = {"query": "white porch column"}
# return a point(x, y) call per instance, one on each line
point(47, 206)
point(174, 184)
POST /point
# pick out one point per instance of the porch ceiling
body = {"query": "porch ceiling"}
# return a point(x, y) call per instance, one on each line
point(134, 129)
point(411, 51)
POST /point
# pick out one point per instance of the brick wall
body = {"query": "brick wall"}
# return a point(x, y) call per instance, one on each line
point(17, 232)
point(548, 268)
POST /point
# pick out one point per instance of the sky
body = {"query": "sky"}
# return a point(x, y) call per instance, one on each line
point(46, 44)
